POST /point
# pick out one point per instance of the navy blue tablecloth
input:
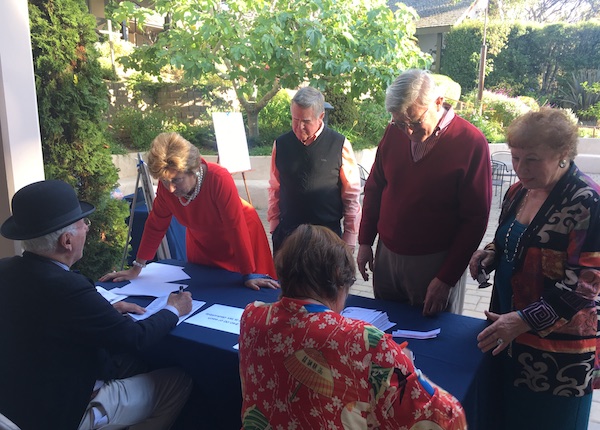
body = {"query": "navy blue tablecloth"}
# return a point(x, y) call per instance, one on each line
point(452, 360)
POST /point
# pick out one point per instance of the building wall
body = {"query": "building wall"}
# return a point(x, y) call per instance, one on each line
point(187, 104)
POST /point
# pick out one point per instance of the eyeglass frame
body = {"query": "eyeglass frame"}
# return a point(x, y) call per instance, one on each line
point(175, 180)
point(87, 222)
point(402, 125)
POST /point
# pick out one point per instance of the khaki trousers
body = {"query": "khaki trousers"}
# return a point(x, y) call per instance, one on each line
point(148, 401)
point(405, 278)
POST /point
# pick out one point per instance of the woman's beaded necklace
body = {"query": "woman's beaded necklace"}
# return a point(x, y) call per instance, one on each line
point(510, 227)
point(199, 178)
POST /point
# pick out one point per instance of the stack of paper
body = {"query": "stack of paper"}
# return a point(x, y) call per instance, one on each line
point(155, 281)
point(413, 334)
point(378, 318)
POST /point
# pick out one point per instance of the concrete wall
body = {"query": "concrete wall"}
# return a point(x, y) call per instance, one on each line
point(187, 104)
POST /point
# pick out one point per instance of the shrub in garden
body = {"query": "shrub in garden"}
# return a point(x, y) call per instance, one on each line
point(450, 88)
point(72, 102)
point(273, 120)
point(136, 129)
point(500, 108)
point(345, 110)
point(492, 130)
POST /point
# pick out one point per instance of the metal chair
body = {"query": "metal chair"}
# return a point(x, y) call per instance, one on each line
point(364, 175)
point(499, 172)
point(505, 157)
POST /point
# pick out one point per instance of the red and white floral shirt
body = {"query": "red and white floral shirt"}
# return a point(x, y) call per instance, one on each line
point(304, 366)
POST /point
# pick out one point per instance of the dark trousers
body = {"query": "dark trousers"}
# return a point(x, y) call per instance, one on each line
point(283, 230)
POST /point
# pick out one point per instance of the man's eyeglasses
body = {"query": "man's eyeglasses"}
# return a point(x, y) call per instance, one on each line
point(86, 222)
point(411, 124)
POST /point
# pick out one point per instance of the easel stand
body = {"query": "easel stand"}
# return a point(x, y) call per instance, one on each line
point(163, 251)
point(243, 178)
point(246, 187)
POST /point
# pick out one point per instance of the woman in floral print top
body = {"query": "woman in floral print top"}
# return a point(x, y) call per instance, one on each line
point(304, 366)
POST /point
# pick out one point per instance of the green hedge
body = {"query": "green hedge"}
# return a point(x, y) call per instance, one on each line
point(524, 59)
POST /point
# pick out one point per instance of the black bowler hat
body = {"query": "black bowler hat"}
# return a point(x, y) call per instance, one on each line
point(43, 207)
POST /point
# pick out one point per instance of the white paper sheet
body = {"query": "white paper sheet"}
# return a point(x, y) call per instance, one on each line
point(110, 296)
point(160, 303)
point(152, 289)
point(219, 317)
point(414, 334)
point(159, 272)
point(378, 318)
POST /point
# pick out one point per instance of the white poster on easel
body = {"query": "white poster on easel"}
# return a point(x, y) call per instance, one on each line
point(231, 141)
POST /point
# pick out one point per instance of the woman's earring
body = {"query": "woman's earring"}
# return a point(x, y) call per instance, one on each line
point(562, 164)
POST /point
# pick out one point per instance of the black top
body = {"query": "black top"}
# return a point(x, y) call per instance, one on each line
point(310, 185)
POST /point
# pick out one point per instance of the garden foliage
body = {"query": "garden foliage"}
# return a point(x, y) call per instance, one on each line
point(72, 102)
point(525, 59)
point(259, 46)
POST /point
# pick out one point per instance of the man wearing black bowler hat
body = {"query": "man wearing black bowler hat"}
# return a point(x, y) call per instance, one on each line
point(61, 339)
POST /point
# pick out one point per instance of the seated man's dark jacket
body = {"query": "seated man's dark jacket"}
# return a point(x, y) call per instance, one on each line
point(56, 334)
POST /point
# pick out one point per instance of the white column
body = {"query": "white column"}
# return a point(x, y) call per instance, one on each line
point(21, 161)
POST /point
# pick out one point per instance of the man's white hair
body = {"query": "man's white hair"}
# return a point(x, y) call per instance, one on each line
point(412, 87)
point(47, 243)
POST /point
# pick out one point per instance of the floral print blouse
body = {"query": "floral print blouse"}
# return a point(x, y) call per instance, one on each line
point(304, 366)
point(555, 286)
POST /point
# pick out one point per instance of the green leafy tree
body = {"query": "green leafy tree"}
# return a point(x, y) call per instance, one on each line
point(461, 55)
point(523, 59)
point(594, 110)
point(72, 100)
point(262, 46)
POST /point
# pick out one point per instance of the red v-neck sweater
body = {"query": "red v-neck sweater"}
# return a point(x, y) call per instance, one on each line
point(439, 203)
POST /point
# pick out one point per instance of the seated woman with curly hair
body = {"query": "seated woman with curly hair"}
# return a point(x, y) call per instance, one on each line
point(305, 366)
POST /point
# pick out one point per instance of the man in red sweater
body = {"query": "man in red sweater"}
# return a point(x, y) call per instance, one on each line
point(428, 197)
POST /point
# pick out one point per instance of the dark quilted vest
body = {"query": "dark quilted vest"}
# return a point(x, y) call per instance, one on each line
point(310, 179)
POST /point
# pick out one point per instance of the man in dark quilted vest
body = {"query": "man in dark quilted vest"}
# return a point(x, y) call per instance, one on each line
point(314, 175)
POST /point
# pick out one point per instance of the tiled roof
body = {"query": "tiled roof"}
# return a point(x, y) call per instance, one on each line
point(437, 13)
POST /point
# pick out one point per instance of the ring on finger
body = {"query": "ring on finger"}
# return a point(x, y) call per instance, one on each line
point(499, 341)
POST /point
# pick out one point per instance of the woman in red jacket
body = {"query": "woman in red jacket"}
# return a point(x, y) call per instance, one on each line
point(222, 230)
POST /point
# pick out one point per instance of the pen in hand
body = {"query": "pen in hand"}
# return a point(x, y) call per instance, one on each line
point(180, 289)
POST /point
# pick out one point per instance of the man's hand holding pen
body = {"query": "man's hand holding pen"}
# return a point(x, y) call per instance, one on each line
point(182, 301)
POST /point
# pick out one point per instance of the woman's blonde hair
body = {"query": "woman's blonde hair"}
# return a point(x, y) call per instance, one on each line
point(171, 152)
